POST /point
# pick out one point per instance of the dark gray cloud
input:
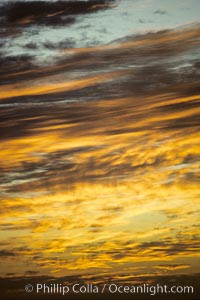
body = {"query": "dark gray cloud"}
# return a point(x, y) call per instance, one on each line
point(68, 43)
point(31, 46)
point(7, 253)
point(170, 248)
point(160, 12)
point(57, 13)
point(31, 273)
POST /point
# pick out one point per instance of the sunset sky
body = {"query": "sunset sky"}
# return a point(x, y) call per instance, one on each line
point(100, 154)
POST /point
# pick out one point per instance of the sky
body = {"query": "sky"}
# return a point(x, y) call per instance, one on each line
point(102, 27)
point(99, 160)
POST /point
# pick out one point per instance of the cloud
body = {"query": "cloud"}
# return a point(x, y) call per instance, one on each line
point(57, 13)
point(169, 248)
point(160, 12)
point(173, 267)
point(68, 43)
point(151, 54)
point(96, 151)
point(6, 253)
point(31, 46)
point(31, 273)
point(144, 21)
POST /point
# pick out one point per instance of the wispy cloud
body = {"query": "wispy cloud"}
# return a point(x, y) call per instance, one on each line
point(100, 159)
point(160, 12)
